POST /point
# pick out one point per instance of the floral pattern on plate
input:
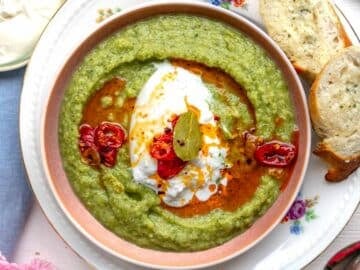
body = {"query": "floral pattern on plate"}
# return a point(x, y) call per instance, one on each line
point(104, 13)
point(228, 3)
point(301, 211)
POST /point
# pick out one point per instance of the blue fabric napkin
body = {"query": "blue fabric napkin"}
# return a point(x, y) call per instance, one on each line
point(15, 194)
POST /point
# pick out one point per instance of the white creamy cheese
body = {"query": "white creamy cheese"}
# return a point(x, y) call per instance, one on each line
point(21, 23)
point(167, 92)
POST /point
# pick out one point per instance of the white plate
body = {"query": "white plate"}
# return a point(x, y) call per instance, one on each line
point(291, 245)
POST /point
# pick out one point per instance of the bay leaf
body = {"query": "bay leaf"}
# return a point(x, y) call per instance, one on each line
point(187, 136)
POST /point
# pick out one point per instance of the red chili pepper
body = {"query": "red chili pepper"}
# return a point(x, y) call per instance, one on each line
point(109, 135)
point(100, 144)
point(108, 157)
point(162, 147)
point(275, 154)
point(343, 254)
point(86, 139)
point(169, 168)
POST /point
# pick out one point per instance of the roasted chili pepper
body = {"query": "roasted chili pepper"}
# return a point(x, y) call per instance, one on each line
point(275, 154)
point(162, 147)
point(100, 144)
point(108, 157)
point(169, 168)
point(109, 135)
point(86, 139)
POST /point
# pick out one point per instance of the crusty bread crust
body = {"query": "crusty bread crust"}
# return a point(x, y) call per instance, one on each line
point(340, 146)
point(282, 19)
point(339, 168)
point(342, 33)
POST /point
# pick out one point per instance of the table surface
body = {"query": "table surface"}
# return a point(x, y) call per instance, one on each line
point(39, 239)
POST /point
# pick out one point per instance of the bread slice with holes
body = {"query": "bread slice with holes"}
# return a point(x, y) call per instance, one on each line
point(308, 31)
point(334, 103)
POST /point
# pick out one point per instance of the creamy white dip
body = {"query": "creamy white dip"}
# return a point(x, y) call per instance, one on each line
point(21, 24)
point(167, 92)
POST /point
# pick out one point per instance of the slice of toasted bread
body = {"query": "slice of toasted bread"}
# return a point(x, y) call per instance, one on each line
point(309, 32)
point(334, 103)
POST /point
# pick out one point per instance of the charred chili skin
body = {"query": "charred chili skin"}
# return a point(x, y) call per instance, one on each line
point(109, 135)
point(275, 154)
point(108, 157)
point(100, 144)
point(168, 164)
point(86, 139)
point(162, 149)
point(169, 168)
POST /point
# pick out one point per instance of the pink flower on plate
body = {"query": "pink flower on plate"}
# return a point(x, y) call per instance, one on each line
point(38, 264)
point(35, 264)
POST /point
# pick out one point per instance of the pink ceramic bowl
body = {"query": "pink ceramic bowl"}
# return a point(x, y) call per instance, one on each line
point(104, 238)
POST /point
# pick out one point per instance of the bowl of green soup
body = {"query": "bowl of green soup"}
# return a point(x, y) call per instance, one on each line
point(176, 135)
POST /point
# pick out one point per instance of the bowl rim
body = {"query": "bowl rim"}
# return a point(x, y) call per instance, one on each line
point(194, 8)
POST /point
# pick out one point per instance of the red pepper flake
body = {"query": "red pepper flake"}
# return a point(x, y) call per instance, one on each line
point(168, 164)
point(101, 144)
point(174, 119)
point(275, 154)
point(162, 147)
